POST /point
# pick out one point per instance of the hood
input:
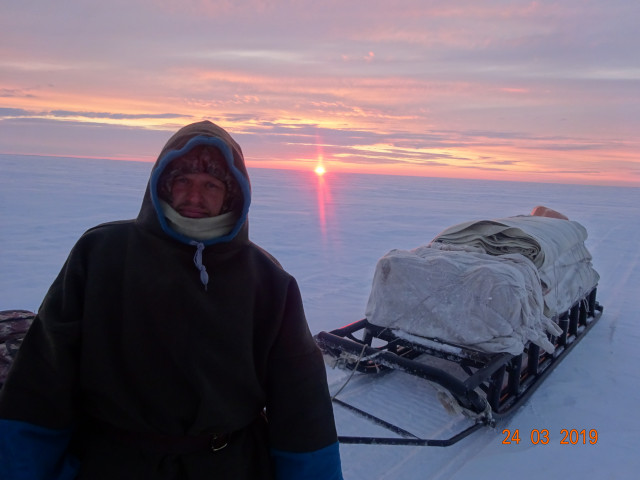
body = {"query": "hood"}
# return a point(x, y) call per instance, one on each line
point(193, 135)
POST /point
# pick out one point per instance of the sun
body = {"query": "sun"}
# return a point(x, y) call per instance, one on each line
point(320, 170)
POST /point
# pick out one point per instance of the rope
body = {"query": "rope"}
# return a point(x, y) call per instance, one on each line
point(353, 372)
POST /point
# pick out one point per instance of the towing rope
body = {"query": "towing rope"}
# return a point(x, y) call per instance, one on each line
point(353, 372)
point(355, 367)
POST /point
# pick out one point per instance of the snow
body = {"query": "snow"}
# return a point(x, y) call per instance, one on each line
point(329, 231)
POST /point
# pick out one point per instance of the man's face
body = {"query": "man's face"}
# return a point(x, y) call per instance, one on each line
point(197, 195)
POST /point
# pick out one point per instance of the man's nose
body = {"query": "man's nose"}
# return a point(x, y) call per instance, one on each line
point(195, 193)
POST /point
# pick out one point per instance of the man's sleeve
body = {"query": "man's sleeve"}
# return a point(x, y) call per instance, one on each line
point(31, 452)
point(38, 400)
point(323, 464)
point(302, 431)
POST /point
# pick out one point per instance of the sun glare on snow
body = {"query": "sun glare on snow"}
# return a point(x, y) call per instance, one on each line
point(320, 170)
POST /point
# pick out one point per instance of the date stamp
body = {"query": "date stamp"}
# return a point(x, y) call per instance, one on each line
point(536, 436)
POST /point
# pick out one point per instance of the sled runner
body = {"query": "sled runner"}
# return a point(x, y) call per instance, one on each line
point(13, 327)
point(483, 313)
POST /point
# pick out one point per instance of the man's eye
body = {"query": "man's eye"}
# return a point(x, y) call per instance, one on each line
point(214, 186)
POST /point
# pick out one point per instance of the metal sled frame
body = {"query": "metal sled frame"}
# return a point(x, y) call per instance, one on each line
point(496, 383)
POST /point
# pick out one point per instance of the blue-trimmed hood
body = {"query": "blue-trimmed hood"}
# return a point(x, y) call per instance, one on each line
point(193, 135)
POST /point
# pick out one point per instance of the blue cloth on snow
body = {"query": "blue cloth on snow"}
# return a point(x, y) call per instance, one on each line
point(323, 464)
point(30, 452)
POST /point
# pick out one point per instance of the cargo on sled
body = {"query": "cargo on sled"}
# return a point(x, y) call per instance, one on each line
point(483, 313)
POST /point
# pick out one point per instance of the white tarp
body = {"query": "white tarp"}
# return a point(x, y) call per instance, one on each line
point(555, 246)
point(493, 284)
point(490, 303)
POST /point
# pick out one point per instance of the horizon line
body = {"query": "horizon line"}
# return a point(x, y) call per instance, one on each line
point(341, 167)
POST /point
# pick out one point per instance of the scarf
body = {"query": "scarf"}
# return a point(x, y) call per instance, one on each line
point(199, 228)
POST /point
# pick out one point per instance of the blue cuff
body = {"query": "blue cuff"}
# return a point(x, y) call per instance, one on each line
point(323, 464)
point(30, 452)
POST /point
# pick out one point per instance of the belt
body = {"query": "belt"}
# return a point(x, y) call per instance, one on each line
point(168, 444)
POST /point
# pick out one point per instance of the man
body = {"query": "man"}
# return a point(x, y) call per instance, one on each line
point(171, 346)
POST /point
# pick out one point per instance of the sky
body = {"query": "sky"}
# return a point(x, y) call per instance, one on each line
point(545, 91)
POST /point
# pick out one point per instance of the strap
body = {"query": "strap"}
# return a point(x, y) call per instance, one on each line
point(169, 444)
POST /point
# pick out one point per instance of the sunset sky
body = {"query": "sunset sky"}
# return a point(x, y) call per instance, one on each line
point(544, 91)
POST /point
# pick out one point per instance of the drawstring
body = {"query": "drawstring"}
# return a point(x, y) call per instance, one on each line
point(197, 259)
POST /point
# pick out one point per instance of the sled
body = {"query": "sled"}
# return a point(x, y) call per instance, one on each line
point(13, 327)
point(484, 387)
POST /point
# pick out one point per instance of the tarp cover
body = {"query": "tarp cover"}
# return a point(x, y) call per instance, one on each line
point(474, 299)
point(555, 246)
point(493, 285)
